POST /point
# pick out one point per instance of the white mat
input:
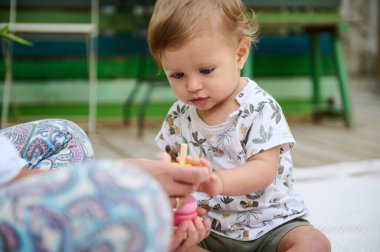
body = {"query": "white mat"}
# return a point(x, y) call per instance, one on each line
point(344, 203)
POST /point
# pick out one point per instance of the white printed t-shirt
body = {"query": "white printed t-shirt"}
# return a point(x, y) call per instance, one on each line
point(258, 125)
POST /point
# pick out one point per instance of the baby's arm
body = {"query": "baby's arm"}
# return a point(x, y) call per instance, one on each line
point(257, 173)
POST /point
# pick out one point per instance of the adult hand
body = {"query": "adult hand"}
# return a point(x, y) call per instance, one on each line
point(177, 180)
point(189, 233)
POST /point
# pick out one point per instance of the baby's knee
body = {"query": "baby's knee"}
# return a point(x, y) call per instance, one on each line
point(319, 241)
point(305, 238)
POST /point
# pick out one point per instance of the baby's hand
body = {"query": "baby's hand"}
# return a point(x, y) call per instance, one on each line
point(214, 185)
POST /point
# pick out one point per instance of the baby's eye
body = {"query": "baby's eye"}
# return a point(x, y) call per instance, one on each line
point(206, 71)
point(177, 75)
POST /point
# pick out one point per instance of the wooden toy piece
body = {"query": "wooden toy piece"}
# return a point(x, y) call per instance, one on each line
point(189, 210)
point(182, 154)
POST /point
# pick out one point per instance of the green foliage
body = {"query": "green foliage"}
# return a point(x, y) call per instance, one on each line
point(4, 33)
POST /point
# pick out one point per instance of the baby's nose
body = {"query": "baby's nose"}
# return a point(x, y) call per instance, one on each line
point(194, 85)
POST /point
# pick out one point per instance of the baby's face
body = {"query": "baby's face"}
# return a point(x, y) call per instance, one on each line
point(205, 71)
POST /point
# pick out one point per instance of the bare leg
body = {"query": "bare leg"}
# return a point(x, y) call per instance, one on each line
point(304, 238)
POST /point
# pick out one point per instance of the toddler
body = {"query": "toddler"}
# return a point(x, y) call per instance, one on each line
point(229, 120)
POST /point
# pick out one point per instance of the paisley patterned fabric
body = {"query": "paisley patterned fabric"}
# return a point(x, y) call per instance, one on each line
point(103, 206)
point(86, 205)
point(50, 144)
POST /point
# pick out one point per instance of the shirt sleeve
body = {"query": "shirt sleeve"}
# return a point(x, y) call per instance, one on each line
point(268, 129)
point(11, 163)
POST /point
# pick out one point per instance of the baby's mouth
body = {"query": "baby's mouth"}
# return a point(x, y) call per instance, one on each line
point(199, 101)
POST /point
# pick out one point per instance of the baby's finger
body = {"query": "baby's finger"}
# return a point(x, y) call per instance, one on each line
point(165, 157)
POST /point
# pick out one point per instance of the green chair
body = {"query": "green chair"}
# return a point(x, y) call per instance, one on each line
point(80, 20)
point(147, 72)
point(313, 17)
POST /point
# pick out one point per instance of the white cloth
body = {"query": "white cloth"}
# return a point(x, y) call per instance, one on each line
point(343, 203)
point(11, 163)
point(258, 125)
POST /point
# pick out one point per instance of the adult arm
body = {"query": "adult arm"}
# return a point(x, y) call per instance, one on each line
point(177, 180)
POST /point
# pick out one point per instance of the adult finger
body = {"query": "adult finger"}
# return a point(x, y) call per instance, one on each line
point(199, 225)
point(179, 234)
point(191, 174)
point(191, 238)
point(188, 234)
point(191, 160)
point(204, 162)
point(180, 189)
point(207, 225)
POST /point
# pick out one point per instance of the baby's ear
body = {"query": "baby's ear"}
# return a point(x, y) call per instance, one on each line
point(243, 52)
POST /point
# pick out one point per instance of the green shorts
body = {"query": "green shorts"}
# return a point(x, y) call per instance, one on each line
point(266, 243)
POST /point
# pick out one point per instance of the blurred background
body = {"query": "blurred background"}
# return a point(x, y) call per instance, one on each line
point(299, 42)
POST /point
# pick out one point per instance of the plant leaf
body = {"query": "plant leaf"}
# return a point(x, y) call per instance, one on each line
point(4, 32)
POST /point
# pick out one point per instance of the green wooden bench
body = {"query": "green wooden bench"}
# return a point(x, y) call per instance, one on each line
point(43, 27)
point(314, 17)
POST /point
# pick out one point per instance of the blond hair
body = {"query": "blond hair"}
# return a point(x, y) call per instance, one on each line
point(175, 22)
